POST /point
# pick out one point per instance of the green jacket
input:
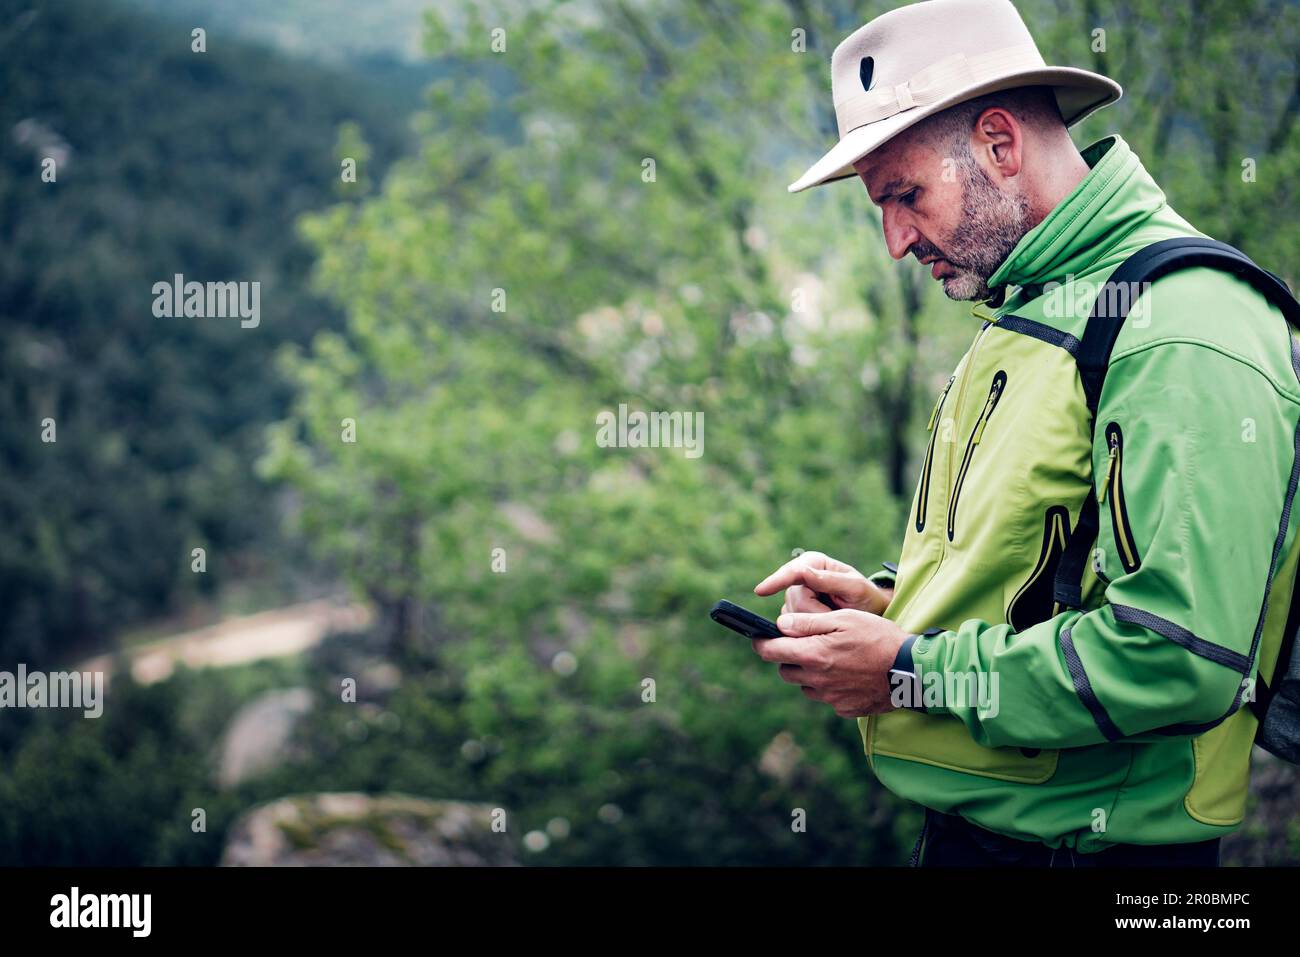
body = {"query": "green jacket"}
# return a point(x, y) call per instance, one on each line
point(1122, 723)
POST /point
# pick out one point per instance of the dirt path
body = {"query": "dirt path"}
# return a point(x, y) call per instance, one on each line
point(269, 634)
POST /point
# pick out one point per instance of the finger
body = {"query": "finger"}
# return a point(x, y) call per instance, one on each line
point(797, 675)
point(804, 624)
point(783, 577)
point(792, 571)
point(850, 589)
point(801, 598)
point(786, 651)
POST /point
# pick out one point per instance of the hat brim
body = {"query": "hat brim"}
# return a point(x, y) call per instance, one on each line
point(1079, 93)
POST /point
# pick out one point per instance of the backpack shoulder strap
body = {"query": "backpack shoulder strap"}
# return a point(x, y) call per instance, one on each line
point(1147, 265)
point(1109, 311)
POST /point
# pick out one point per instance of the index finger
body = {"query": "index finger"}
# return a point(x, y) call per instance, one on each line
point(791, 573)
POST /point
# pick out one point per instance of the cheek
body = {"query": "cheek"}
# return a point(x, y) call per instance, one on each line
point(942, 206)
point(938, 225)
point(925, 228)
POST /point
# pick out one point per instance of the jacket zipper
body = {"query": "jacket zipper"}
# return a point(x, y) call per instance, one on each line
point(964, 371)
point(995, 393)
point(923, 495)
point(1114, 486)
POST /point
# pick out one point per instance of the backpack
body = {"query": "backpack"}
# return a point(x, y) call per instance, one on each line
point(1276, 703)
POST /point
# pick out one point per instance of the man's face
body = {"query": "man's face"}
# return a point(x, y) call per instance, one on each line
point(945, 211)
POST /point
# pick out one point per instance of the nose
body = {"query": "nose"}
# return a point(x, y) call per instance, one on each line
point(900, 234)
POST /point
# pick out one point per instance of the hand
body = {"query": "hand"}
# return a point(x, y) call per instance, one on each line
point(814, 572)
point(841, 658)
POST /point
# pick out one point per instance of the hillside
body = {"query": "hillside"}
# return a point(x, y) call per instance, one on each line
point(168, 161)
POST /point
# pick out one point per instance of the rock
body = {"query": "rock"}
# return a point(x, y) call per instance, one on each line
point(383, 830)
point(258, 736)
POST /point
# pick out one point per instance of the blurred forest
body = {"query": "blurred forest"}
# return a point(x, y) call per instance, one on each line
point(595, 215)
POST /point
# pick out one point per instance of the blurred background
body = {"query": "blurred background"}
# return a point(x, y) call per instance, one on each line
point(472, 613)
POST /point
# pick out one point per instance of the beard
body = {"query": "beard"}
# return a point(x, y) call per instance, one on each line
point(992, 223)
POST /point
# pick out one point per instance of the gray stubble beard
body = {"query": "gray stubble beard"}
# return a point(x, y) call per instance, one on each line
point(992, 223)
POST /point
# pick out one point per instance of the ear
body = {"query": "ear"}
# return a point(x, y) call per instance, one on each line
point(998, 141)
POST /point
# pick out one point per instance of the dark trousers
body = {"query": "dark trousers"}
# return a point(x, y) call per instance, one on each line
point(950, 841)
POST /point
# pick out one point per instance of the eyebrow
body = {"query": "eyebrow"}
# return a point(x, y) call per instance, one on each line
point(889, 189)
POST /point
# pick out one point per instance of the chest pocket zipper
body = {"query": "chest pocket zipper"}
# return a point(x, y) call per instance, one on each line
point(1114, 487)
point(995, 393)
point(923, 494)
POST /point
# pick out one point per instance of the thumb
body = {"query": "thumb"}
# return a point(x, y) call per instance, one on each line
point(807, 624)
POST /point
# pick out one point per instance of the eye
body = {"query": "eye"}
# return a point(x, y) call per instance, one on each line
point(909, 198)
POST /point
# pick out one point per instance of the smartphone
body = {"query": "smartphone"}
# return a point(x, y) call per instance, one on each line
point(744, 621)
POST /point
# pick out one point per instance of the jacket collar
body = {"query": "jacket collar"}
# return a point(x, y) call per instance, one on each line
point(1116, 196)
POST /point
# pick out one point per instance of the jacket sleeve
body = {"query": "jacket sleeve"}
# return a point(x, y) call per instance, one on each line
point(1191, 531)
point(887, 577)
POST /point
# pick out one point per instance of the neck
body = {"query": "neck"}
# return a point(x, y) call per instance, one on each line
point(1059, 170)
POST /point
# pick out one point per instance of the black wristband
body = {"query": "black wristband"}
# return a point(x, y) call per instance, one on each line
point(903, 672)
point(903, 660)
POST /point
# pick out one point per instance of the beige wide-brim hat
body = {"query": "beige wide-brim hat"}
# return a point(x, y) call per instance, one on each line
point(915, 61)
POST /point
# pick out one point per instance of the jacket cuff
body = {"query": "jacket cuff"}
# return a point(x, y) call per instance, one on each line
point(925, 655)
point(885, 578)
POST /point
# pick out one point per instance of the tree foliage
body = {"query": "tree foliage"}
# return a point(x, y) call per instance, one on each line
point(168, 162)
point(648, 253)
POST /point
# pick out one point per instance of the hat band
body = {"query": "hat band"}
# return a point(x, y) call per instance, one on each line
point(936, 82)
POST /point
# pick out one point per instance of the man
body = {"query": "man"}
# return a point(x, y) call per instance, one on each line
point(1113, 732)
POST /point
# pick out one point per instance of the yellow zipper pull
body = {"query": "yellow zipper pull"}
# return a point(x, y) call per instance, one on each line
point(984, 416)
point(938, 402)
point(934, 414)
point(1110, 470)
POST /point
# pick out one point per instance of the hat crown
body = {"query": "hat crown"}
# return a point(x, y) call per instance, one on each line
point(907, 40)
point(919, 60)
